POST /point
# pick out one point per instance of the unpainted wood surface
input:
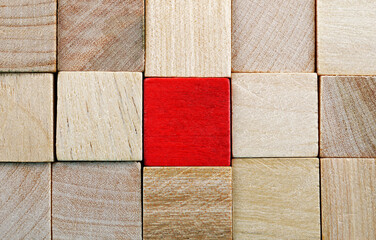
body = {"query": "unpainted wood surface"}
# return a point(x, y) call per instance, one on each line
point(190, 38)
point(26, 118)
point(273, 36)
point(348, 116)
point(187, 203)
point(348, 198)
point(274, 115)
point(97, 35)
point(96, 200)
point(346, 33)
point(28, 35)
point(25, 201)
point(99, 116)
point(276, 198)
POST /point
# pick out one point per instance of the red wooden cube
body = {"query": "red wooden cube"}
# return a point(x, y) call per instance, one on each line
point(187, 122)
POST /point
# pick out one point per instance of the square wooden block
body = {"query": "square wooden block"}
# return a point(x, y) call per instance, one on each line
point(99, 116)
point(97, 35)
point(274, 115)
point(346, 33)
point(26, 118)
point(273, 36)
point(348, 198)
point(348, 116)
point(96, 200)
point(25, 201)
point(276, 198)
point(190, 38)
point(187, 122)
point(187, 203)
point(28, 35)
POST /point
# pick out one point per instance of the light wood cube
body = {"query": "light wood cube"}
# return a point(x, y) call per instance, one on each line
point(97, 35)
point(26, 118)
point(25, 201)
point(346, 33)
point(99, 116)
point(348, 198)
point(190, 38)
point(28, 35)
point(273, 36)
point(187, 203)
point(276, 198)
point(274, 115)
point(96, 200)
point(348, 116)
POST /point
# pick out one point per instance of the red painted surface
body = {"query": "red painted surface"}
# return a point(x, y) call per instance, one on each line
point(187, 122)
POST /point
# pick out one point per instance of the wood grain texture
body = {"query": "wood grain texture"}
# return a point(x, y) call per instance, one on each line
point(187, 122)
point(26, 118)
point(97, 35)
point(187, 203)
point(346, 33)
point(273, 36)
point(276, 198)
point(348, 198)
point(28, 35)
point(274, 115)
point(347, 119)
point(25, 201)
point(96, 200)
point(189, 38)
point(99, 116)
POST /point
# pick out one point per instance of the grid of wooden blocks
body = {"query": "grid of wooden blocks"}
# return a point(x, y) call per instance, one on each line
point(188, 119)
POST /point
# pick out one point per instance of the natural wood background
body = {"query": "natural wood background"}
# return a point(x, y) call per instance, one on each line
point(276, 198)
point(190, 38)
point(348, 197)
point(348, 116)
point(28, 35)
point(346, 33)
point(99, 116)
point(96, 200)
point(26, 118)
point(97, 35)
point(273, 36)
point(274, 115)
point(25, 201)
point(187, 203)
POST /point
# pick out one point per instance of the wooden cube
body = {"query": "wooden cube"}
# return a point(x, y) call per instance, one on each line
point(187, 122)
point(187, 203)
point(96, 200)
point(189, 38)
point(28, 35)
point(346, 33)
point(25, 201)
point(26, 118)
point(99, 116)
point(273, 36)
point(97, 35)
point(276, 198)
point(348, 116)
point(348, 198)
point(274, 115)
